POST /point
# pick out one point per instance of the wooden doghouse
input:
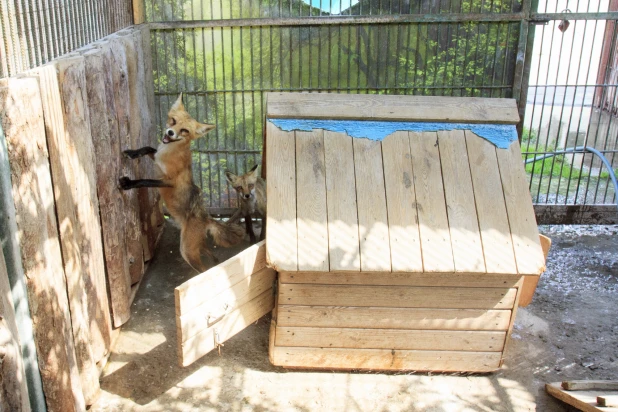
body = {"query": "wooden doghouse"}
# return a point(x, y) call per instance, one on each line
point(407, 253)
point(407, 249)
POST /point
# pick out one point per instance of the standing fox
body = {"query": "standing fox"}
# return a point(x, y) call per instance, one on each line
point(181, 196)
point(252, 191)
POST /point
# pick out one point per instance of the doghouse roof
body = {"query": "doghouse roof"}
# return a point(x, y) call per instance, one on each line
point(436, 185)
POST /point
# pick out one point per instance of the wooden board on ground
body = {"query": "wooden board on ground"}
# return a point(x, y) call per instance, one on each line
point(22, 115)
point(583, 399)
point(217, 304)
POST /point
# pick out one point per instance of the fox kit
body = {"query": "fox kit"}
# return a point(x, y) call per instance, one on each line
point(181, 196)
point(252, 191)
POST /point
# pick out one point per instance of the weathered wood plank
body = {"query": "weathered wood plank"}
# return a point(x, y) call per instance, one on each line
point(401, 203)
point(489, 197)
point(22, 115)
point(383, 107)
point(214, 281)
point(393, 318)
point(281, 199)
point(386, 359)
point(203, 316)
point(311, 202)
point(459, 194)
point(120, 78)
point(343, 238)
point(13, 390)
point(524, 231)
point(403, 279)
point(375, 253)
point(431, 206)
point(585, 401)
point(230, 325)
point(531, 281)
point(397, 296)
point(398, 339)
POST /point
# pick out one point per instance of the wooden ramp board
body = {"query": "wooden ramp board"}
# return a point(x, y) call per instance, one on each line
point(583, 399)
point(217, 304)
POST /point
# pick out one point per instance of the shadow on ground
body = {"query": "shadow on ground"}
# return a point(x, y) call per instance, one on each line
point(566, 333)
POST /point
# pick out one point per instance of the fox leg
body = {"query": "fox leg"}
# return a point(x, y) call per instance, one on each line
point(263, 231)
point(236, 216)
point(144, 151)
point(249, 227)
point(126, 183)
point(190, 247)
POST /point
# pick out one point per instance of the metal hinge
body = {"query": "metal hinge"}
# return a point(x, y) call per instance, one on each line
point(212, 319)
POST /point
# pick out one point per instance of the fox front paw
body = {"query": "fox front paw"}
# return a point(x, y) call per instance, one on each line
point(124, 183)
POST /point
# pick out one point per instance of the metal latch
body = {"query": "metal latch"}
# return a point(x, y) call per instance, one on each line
point(212, 319)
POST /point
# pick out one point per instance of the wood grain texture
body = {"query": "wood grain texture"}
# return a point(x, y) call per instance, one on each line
point(203, 316)
point(214, 281)
point(401, 203)
point(281, 236)
point(393, 318)
point(430, 203)
point(236, 321)
point(33, 195)
point(583, 400)
point(120, 75)
point(311, 211)
point(462, 219)
point(524, 230)
point(493, 219)
point(343, 240)
point(398, 339)
point(375, 254)
point(383, 107)
point(386, 359)
point(397, 296)
point(403, 279)
point(14, 390)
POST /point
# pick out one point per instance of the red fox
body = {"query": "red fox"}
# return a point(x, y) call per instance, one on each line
point(181, 196)
point(252, 191)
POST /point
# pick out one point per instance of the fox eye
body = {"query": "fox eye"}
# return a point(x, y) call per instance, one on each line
point(250, 187)
point(184, 131)
point(238, 188)
point(172, 121)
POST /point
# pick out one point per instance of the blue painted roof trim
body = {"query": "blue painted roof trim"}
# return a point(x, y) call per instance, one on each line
point(500, 135)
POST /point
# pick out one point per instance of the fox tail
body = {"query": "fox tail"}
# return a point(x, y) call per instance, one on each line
point(225, 234)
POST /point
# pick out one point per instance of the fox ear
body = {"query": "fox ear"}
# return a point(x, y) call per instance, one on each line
point(178, 103)
point(231, 177)
point(203, 128)
point(253, 169)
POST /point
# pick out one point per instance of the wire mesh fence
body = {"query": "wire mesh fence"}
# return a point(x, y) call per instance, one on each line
point(35, 32)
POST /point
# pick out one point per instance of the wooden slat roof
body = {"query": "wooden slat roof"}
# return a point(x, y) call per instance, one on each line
point(447, 201)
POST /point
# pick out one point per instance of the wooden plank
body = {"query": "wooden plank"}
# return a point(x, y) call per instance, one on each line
point(430, 203)
point(343, 238)
point(401, 203)
point(393, 318)
point(397, 339)
point(230, 325)
point(462, 219)
point(70, 156)
point(493, 220)
point(579, 385)
point(524, 231)
point(114, 225)
point(203, 316)
point(311, 202)
point(405, 279)
point(583, 400)
point(122, 104)
point(397, 296)
point(214, 281)
point(512, 321)
point(386, 359)
point(14, 390)
point(139, 11)
point(375, 254)
point(32, 192)
point(383, 107)
point(281, 236)
point(608, 400)
point(531, 281)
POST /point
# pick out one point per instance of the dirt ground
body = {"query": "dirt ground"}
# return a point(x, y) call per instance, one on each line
point(568, 332)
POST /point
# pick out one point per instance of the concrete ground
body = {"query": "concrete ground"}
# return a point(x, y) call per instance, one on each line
point(568, 332)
